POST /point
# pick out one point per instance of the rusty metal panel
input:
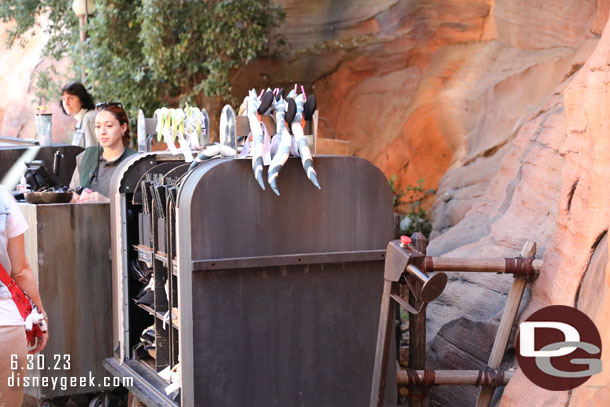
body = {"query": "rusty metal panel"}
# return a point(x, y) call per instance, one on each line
point(306, 333)
point(74, 280)
point(233, 217)
point(286, 336)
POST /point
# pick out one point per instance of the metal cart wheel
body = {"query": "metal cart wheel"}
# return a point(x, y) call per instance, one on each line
point(60, 400)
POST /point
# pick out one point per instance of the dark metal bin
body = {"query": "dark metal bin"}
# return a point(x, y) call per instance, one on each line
point(278, 296)
point(16, 155)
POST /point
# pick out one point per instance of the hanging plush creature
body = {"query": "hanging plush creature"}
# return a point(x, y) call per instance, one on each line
point(297, 126)
point(283, 150)
point(227, 138)
point(211, 151)
point(254, 109)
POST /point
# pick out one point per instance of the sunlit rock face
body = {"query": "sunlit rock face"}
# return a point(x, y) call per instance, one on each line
point(501, 105)
point(419, 87)
point(577, 272)
point(474, 97)
point(18, 103)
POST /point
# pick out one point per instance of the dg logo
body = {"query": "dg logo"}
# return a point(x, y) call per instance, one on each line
point(559, 348)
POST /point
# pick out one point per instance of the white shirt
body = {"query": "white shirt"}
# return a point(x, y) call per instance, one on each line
point(12, 224)
point(84, 131)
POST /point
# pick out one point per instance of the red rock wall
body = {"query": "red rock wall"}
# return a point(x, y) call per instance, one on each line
point(471, 93)
point(18, 103)
point(576, 270)
point(419, 87)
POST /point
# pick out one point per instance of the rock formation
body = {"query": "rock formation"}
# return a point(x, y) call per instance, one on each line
point(473, 92)
point(18, 104)
point(577, 271)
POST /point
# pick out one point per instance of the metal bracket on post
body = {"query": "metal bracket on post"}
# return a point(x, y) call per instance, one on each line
point(403, 264)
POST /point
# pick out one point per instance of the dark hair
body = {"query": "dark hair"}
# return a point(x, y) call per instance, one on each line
point(78, 89)
point(119, 113)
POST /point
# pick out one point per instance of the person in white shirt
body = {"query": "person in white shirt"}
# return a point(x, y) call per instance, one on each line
point(78, 103)
point(13, 346)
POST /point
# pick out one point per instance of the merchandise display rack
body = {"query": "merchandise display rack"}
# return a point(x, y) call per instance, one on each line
point(285, 289)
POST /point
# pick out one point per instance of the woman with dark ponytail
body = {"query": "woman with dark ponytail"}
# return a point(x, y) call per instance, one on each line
point(95, 166)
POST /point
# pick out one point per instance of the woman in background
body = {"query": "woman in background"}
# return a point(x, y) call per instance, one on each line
point(78, 103)
point(13, 346)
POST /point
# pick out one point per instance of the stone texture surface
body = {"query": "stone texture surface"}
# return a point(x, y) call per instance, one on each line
point(593, 298)
point(520, 204)
point(455, 345)
point(501, 105)
point(470, 93)
point(18, 103)
point(422, 86)
point(576, 263)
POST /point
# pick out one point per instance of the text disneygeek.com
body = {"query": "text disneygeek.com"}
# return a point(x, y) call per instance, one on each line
point(53, 363)
point(65, 383)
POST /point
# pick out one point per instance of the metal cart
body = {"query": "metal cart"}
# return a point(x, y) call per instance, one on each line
point(275, 298)
point(72, 269)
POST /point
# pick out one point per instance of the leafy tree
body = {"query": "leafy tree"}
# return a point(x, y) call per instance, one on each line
point(62, 23)
point(148, 53)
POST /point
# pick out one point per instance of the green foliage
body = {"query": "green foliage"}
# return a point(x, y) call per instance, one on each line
point(113, 59)
point(223, 34)
point(415, 222)
point(150, 53)
point(62, 27)
point(415, 218)
point(47, 87)
point(396, 195)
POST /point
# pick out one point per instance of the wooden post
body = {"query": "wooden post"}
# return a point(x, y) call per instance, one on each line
point(417, 330)
point(384, 335)
point(474, 265)
point(452, 377)
point(506, 324)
